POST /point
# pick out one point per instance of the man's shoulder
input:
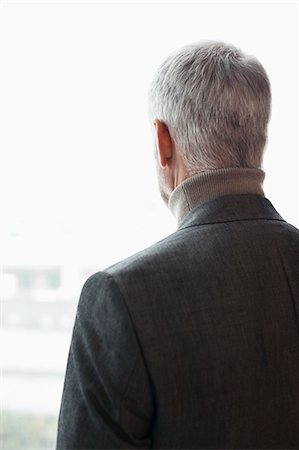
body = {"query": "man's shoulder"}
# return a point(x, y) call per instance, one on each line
point(201, 244)
point(148, 256)
point(145, 264)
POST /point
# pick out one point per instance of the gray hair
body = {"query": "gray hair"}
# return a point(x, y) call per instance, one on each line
point(216, 102)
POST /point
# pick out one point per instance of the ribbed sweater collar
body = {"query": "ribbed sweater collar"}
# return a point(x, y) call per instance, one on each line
point(209, 184)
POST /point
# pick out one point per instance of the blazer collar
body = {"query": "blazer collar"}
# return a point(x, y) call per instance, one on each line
point(231, 208)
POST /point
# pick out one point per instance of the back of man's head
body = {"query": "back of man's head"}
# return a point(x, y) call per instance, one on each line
point(216, 103)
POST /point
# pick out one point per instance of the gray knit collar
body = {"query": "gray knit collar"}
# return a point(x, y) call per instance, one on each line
point(209, 184)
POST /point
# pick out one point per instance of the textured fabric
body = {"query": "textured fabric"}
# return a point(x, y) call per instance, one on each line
point(210, 184)
point(192, 343)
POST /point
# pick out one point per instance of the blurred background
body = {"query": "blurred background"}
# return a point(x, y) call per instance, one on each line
point(79, 186)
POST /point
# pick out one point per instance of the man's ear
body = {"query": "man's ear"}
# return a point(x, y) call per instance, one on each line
point(164, 143)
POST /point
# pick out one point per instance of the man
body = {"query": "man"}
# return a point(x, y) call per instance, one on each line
point(193, 342)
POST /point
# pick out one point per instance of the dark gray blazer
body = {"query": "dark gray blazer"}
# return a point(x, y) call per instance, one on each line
point(192, 343)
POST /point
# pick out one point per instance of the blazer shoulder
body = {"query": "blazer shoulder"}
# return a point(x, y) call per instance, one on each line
point(210, 240)
point(149, 255)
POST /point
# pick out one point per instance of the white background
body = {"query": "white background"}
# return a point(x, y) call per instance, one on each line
point(79, 180)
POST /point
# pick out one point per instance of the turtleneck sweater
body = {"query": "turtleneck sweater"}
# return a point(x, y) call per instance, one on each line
point(209, 184)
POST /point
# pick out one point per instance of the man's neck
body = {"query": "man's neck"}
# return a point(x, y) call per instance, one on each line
point(209, 184)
